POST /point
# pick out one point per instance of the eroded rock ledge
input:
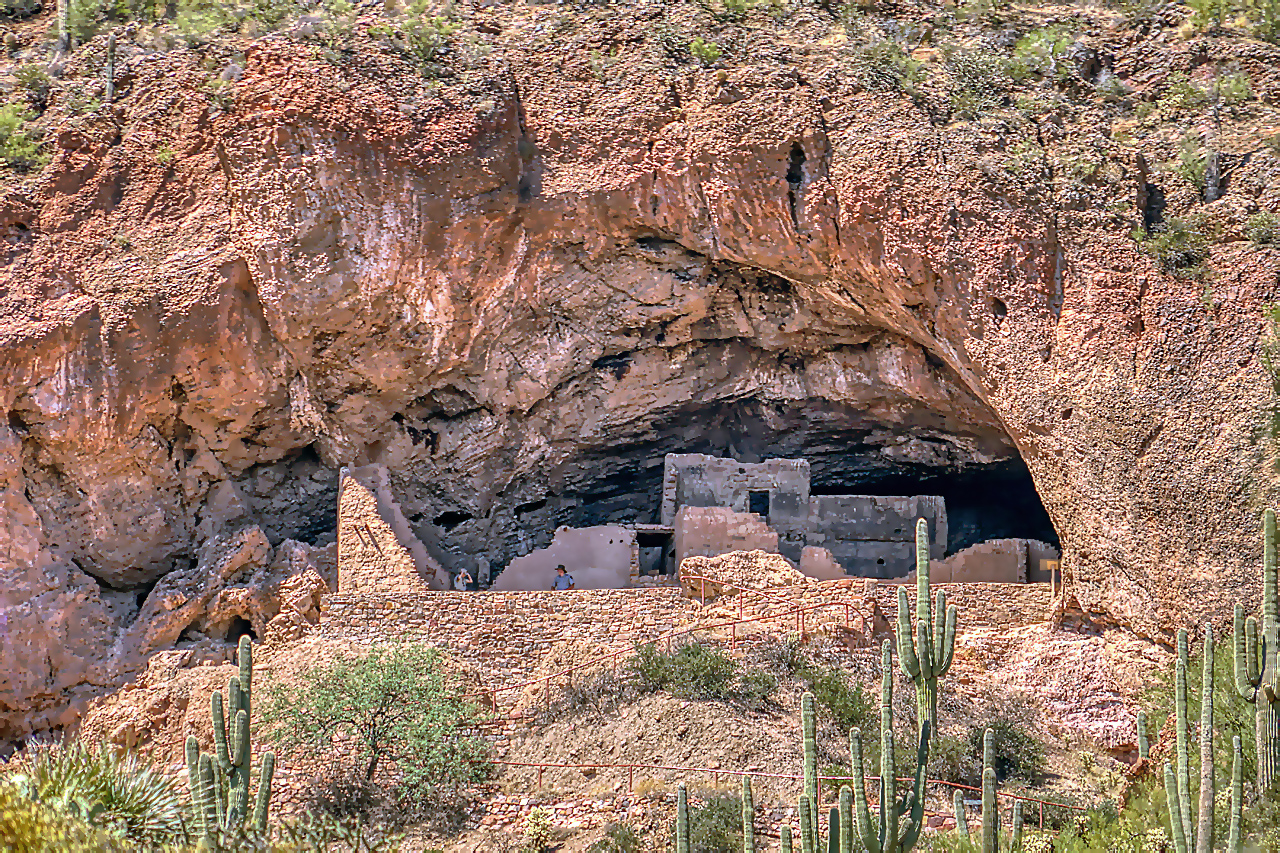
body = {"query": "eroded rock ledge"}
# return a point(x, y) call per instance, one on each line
point(518, 291)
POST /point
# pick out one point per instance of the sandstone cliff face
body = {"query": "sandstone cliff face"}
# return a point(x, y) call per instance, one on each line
point(516, 290)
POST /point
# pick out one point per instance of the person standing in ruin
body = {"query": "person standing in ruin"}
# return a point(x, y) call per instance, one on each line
point(563, 580)
point(461, 580)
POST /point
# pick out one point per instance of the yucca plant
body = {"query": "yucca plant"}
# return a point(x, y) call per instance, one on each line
point(115, 792)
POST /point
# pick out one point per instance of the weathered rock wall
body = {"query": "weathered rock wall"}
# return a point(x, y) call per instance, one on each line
point(517, 289)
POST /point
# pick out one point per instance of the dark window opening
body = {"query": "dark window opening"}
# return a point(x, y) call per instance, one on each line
point(451, 519)
point(758, 502)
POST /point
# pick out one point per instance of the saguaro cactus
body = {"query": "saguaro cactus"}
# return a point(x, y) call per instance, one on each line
point(1257, 662)
point(109, 74)
point(222, 793)
point(748, 817)
point(888, 834)
point(682, 819)
point(1144, 744)
point(786, 838)
point(63, 12)
point(991, 830)
point(1194, 827)
point(925, 652)
point(1234, 839)
point(809, 730)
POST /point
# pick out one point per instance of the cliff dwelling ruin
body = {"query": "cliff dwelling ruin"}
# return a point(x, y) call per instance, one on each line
point(708, 506)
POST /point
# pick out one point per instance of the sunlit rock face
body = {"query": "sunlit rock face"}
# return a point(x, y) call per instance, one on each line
point(518, 293)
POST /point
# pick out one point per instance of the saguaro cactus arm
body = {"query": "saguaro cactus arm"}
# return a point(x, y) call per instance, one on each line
point(1234, 839)
point(962, 819)
point(1178, 837)
point(1204, 830)
point(748, 817)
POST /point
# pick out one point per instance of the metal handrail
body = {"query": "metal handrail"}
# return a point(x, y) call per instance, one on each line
point(717, 771)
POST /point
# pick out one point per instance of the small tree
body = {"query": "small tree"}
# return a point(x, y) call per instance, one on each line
point(391, 709)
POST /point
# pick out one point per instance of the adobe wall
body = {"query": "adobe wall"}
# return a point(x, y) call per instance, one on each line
point(874, 535)
point(601, 557)
point(703, 531)
point(697, 480)
point(996, 561)
point(377, 552)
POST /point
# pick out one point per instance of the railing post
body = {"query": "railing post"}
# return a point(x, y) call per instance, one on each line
point(702, 596)
point(539, 777)
point(1042, 815)
point(631, 786)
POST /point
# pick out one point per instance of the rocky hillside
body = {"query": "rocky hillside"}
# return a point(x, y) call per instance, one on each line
point(516, 252)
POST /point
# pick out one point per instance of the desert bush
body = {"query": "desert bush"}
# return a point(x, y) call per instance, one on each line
point(783, 656)
point(1041, 52)
point(1263, 228)
point(756, 688)
point(1209, 14)
point(1181, 96)
point(979, 81)
point(113, 792)
point(728, 10)
point(845, 701)
point(1019, 751)
point(1191, 163)
point(695, 671)
point(19, 9)
point(884, 66)
point(1178, 244)
point(538, 834)
point(716, 825)
point(392, 709)
point(1235, 88)
point(706, 52)
point(618, 838)
point(35, 83)
point(952, 760)
point(598, 691)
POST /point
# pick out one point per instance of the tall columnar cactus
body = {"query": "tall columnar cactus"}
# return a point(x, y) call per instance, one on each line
point(925, 652)
point(682, 819)
point(64, 42)
point(990, 806)
point(109, 92)
point(833, 830)
point(786, 838)
point(220, 785)
point(991, 830)
point(808, 838)
point(809, 731)
point(748, 817)
point(1257, 662)
point(1194, 823)
point(888, 833)
point(845, 831)
point(1234, 839)
point(1144, 744)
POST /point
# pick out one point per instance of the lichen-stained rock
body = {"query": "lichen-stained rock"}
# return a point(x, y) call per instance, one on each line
point(516, 287)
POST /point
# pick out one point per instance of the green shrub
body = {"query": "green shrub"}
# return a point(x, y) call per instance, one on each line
point(1181, 95)
point(979, 81)
point(756, 688)
point(716, 825)
point(1179, 245)
point(1263, 228)
point(1192, 162)
point(113, 792)
point(701, 672)
point(538, 834)
point(729, 10)
point(618, 838)
point(1019, 751)
point(784, 656)
point(16, 147)
point(35, 83)
point(706, 52)
point(19, 9)
point(884, 66)
point(1041, 52)
point(1235, 88)
point(389, 707)
point(1264, 19)
point(199, 20)
point(1209, 14)
point(952, 760)
point(845, 702)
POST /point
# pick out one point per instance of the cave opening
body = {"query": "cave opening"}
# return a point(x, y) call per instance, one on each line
point(975, 467)
point(240, 627)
